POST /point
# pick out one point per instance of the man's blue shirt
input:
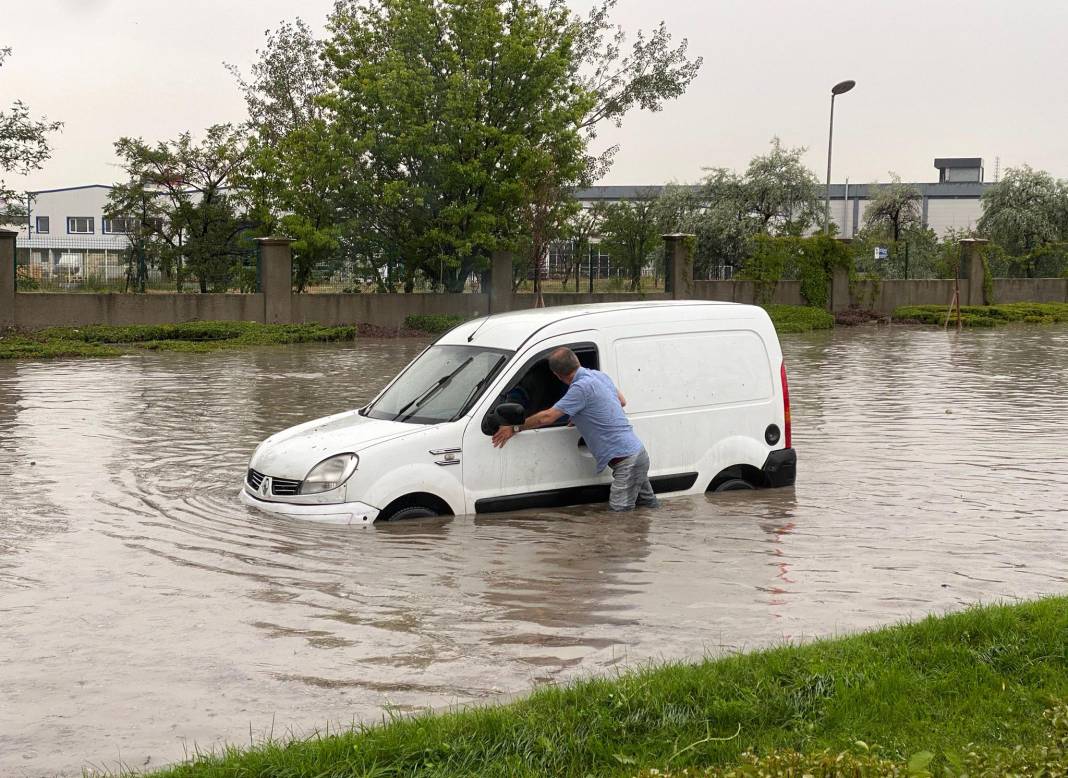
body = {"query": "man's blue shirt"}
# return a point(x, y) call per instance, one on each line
point(592, 402)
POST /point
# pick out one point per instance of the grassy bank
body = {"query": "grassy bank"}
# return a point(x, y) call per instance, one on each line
point(799, 318)
point(986, 315)
point(200, 336)
point(921, 693)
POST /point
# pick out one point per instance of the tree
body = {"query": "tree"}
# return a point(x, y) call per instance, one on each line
point(195, 216)
point(781, 192)
point(630, 233)
point(23, 147)
point(646, 77)
point(583, 226)
point(894, 208)
point(1025, 212)
point(447, 115)
point(293, 177)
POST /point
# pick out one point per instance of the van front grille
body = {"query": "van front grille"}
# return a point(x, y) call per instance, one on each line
point(283, 487)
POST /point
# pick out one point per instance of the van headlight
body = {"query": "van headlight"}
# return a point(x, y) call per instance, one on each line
point(329, 474)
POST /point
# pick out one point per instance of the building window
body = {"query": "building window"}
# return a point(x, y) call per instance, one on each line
point(42, 225)
point(80, 225)
point(120, 225)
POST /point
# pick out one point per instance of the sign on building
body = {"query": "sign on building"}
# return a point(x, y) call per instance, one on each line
point(881, 252)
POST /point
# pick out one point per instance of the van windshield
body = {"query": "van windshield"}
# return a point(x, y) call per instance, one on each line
point(441, 385)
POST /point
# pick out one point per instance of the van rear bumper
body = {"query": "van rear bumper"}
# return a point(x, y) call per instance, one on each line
point(780, 469)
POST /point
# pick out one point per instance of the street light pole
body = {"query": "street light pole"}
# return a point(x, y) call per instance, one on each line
point(838, 89)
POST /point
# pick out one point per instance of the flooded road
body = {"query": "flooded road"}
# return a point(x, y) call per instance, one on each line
point(144, 612)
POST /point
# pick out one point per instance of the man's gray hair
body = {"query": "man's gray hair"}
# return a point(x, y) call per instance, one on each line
point(563, 361)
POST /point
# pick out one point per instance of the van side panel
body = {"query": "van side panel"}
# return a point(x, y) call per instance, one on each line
point(693, 370)
point(700, 394)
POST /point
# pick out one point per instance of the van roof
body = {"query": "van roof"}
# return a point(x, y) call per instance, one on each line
point(510, 330)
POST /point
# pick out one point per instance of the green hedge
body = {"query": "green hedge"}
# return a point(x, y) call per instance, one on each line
point(799, 318)
point(197, 336)
point(986, 315)
point(433, 323)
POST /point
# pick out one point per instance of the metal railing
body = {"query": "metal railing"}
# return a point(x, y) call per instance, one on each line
point(110, 263)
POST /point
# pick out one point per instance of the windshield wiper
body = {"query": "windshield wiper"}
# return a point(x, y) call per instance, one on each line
point(478, 387)
point(424, 397)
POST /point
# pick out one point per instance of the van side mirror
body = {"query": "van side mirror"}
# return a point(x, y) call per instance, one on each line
point(511, 413)
point(505, 413)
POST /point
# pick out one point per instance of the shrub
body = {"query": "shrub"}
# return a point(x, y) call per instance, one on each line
point(432, 323)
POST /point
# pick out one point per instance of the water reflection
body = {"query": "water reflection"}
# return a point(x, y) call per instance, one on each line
point(145, 609)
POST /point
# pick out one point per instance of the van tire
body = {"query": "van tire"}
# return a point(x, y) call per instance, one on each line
point(734, 485)
point(412, 512)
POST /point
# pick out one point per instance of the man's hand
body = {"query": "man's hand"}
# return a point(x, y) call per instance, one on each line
point(502, 436)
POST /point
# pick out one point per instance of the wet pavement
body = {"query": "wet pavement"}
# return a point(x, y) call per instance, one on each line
point(145, 613)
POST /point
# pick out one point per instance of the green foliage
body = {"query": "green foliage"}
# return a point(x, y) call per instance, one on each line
point(894, 209)
point(811, 260)
point(1025, 210)
point(20, 346)
point(630, 233)
point(194, 336)
point(24, 282)
point(971, 681)
point(448, 114)
point(187, 205)
point(781, 192)
point(799, 318)
point(432, 323)
point(987, 315)
point(776, 196)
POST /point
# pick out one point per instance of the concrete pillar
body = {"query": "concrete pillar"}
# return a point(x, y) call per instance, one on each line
point(678, 265)
point(7, 278)
point(500, 286)
point(839, 298)
point(971, 268)
point(276, 279)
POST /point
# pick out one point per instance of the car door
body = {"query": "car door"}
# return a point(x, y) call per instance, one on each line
point(540, 468)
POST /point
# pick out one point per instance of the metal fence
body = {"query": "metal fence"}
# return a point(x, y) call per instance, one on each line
point(109, 263)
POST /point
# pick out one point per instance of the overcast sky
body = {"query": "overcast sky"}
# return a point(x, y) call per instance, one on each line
point(934, 78)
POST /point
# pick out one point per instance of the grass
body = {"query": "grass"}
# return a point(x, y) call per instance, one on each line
point(197, 336)
point(929, 692)
point(986, 315)
point(799, 318)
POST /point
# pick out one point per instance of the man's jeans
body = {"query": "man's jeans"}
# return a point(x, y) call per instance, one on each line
point(630, 483)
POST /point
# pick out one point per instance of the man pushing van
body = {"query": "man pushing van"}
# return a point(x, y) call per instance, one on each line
point(596, 408)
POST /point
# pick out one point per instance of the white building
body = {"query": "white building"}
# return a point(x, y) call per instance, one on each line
point(67, 238)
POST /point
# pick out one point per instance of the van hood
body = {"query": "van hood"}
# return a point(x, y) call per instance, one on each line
point(291, 453)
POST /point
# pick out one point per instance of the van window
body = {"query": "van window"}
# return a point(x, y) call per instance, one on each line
point(536, 388)
point(693, 370)
point(440, 385)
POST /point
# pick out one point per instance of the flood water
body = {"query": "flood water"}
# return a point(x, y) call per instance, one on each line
point(145, 613)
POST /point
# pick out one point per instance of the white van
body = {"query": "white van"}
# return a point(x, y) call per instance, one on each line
point(706, 392)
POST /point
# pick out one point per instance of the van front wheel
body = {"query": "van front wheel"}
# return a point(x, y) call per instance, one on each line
point(733, 485)
point(412, 512)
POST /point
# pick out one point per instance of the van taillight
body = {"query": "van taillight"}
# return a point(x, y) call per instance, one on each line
point(786, 405)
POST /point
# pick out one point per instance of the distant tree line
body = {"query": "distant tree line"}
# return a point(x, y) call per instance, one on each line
point(405, 146)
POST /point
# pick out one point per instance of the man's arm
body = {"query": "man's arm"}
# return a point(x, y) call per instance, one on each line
point(540, 419)
point(622, 399)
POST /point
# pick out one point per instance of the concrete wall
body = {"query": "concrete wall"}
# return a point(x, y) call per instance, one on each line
point(885, 296)
point(383, 310)
point(277, 303)
point(1031, 290)
point(34, 311)
point(786, 292)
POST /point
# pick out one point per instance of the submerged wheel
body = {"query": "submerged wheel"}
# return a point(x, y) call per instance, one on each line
point(733, 485)
point(412, 512)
